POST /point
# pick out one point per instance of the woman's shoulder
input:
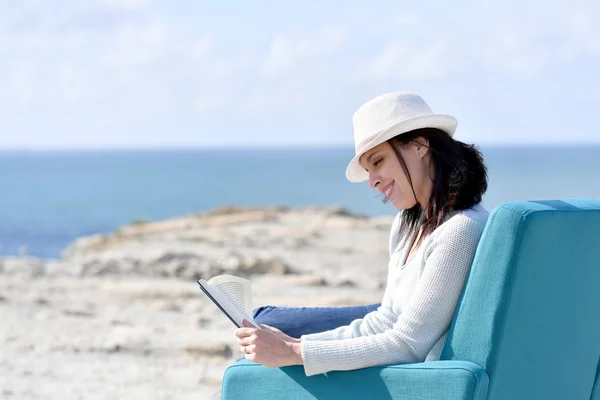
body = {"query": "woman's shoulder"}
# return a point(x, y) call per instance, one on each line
point(477, 214)
point(471, 219)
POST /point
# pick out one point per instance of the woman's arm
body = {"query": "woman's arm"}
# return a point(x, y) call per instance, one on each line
point(376, 321)
point(424, 319)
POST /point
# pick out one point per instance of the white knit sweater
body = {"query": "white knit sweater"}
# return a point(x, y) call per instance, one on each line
point(418, 304)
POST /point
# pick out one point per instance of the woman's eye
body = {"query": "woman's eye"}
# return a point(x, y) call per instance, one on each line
point(376, 163)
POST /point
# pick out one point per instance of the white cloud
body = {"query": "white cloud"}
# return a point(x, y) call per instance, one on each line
point(20, 87)
point(406, 20)
point(400, 59)
point(207, 102)
point(525, 45)
point(136, 45)
point(126, 4)
point(68, 83)
point(582, 33)
point(495, 39)
point(201, 47)
point(125, 60)
point(512, 51)
point(287, 53)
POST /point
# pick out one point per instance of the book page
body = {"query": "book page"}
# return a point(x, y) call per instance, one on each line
point(238, 292)
point(221, 302)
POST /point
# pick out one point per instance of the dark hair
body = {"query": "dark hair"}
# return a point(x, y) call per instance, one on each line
point(459, 178)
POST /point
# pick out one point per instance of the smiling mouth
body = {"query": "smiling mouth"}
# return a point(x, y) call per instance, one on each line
point(388, 190)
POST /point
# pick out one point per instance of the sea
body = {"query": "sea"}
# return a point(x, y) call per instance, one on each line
point(49, 198)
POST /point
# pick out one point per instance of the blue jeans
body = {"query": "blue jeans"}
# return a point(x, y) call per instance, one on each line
point(298, 321)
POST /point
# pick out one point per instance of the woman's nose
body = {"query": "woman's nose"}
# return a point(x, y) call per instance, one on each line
point(373, 180)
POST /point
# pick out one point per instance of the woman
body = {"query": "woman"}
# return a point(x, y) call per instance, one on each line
point(407, 153)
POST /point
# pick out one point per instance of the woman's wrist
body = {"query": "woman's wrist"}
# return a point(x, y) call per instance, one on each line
point(296, 349)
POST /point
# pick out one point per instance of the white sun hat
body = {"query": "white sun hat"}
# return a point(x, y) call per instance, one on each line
point(390, 115)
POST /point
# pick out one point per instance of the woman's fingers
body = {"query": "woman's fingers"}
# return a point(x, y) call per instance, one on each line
point(247, 340)
point(277, 332)
point(247, 323)
point(269, 328)
point(249, 352)
point(248, 349)
point(244, 332)
point(265, 340)
point(264, 346)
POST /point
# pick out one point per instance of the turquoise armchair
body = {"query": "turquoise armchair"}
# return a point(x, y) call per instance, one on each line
point(527, 325)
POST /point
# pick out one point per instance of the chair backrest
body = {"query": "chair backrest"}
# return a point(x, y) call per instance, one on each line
point(530, 311)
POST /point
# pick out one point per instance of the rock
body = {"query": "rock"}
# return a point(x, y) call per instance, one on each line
point(166, 305)
point(307, 280)
point(123, 339)
point(97, 267)
point(40, 301)
point(382, 223)
point(228, 210)
point(78, 313)
point(190, 268)
point(10, 339)
point(203, 322)
point(81, 246)
point(31, 267)
point(193, 305)
point(118, 322)
point(170, 256)
point(301, 242)
point(339, 211)
point(346, 283)
point(270, 266)
point(204, 348)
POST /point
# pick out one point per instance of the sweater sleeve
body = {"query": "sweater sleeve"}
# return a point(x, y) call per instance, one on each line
point(424, 319)
point(374, 322)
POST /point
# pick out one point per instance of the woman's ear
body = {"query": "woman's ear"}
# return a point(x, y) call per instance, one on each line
point(421, 146)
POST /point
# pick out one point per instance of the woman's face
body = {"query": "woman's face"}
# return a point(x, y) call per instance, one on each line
point(387, 175)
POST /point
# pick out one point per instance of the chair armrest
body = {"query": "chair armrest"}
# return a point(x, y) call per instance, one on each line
point(448, 380)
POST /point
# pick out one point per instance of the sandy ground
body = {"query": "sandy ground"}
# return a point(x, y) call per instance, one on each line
point(120, 316)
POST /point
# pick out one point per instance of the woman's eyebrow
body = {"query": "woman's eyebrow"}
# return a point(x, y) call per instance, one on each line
point(371, 156)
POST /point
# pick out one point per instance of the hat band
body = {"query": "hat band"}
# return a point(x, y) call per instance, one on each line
point(365, 143)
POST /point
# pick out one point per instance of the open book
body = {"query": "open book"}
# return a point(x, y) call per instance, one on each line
point(232, 295)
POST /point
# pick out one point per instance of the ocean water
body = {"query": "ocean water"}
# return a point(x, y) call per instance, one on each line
point(50, 198)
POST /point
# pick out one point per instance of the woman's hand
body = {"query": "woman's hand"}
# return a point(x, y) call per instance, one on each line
point(279, 334)
point(268, 346)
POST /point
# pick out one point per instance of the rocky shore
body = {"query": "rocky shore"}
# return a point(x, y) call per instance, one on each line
point(120, 315)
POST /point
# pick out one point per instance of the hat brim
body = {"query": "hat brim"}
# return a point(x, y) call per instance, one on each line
point(446, 123)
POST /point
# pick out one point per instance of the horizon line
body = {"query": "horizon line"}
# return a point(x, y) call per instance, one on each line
point(263, 147)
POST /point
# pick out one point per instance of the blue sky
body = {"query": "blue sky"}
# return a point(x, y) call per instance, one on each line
point(142, 73)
